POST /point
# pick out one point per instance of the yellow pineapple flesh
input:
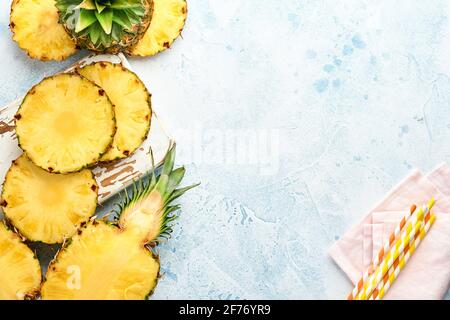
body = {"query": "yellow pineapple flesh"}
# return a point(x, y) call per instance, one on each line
point(65, 123)
point(35, 28)
point(101, 263)
point(20, 272)
point(166, 25)
point(47, 207)
point(110, 260)
point(132, 105)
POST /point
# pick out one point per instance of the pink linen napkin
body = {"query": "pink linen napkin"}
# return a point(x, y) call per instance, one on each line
point(427, 273)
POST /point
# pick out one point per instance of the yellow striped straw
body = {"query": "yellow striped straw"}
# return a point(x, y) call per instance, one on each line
point(379, 257)
point(405, 258)
point(411, 229)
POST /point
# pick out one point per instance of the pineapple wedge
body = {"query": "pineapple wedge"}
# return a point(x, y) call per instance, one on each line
point(47, 207)
point(132, 104)
point(65, 123)
point(20, 272)
point(101, 263)
point(110, 260)
point(166, 25)
point(36, 30)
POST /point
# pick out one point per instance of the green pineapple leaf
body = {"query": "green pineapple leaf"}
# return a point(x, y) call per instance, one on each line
point(87, 4)
point(65, 5)
point(116, 32)
point(175, 178)
point(94, 33)
point(100, 7)
point(132, 16)
point(121, 19)
point(106, 19)
point(139, 11)
point(87, 18)
point(125, 4)
point(105, 39)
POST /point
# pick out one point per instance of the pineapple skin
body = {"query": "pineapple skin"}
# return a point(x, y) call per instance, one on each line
point(134, 36)
point(144, 47)
point(32, 50)
point(11, 240)
point(6, 194)
point(49, 288)
point(111, 155)
point(18, 116)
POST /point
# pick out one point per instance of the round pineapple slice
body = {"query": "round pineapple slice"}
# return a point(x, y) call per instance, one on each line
point(132, 104)
point(166, 25)
point(47, 207)
point(101, 262)
point(20, 272)
point(65, 123)
point(36, 29)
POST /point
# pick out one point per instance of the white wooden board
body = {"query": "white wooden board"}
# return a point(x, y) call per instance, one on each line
point(111, 177)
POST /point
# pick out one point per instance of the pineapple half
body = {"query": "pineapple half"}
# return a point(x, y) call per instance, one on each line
point(105, 25)
point(65, 123)
point(132, 104)
point(169, 17)
point(47, 207)
point(36, 29)
point(20, 272)
point(107, 260)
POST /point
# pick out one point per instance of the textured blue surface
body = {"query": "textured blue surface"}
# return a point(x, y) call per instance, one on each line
point(332, 102)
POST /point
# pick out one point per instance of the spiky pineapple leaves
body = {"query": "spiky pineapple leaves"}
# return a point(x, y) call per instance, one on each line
point(104, 22)
point(101, 5)
point(147, 209)
point(121, 18)
point(87, 4)
point(105, 18)
point(87, 18)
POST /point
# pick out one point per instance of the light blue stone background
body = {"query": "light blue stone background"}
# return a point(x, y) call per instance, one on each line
point(356, 92)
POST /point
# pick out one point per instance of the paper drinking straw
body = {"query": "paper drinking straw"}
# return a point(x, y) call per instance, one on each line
point(391, 270)
point(404, 258)
point(400, 257)
point(390, 259)
point(379, 257)
point(411, 228)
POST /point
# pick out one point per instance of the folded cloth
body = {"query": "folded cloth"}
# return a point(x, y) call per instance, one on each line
point(427, 273)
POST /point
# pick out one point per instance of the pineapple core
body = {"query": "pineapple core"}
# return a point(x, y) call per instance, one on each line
point(66, 124)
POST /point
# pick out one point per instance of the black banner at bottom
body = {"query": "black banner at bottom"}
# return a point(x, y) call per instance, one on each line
point(245, 309)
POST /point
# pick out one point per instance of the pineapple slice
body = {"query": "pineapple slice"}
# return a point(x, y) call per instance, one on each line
point(110, 260)
point(65, 123)
point(166, 25)
point(132, 105)
point(20, 272)
point(36, 29)
point(47, 207)
point(101, 263)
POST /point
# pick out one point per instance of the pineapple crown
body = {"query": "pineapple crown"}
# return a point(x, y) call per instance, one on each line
point(104, 21)
point(165, 187)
